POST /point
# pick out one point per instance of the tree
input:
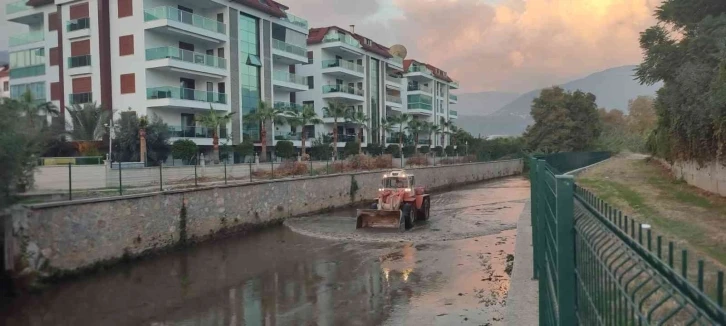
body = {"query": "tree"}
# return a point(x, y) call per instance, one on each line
point(416, 127)
point(184, 149)
point(143, 124)
point(215, 122)
point(285, 149)
point(400, 120)
point(351, 148)
point(336, 110)
point(127, 143)
point(302, 118)
point(88, 121)
point(563, 122)
point(394, 150)
point(642, 118)
point(434, 130)
point(266, 113)
point(445, 125)
point(387, 127)
point(320, 150)
point(685, 51)
point(32, 110)
point(361, 119)
point(245, 148)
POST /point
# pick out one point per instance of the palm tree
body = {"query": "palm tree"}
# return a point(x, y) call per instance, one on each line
point(434, 130)
point(416, 127)
point(143, 123)
point(453, 131)
point(215, 122)
point(386, 127)
point(445, 125)
point(88, 121)
point(361, 119)
point(266, 113)
point(400, 120)
point(304, 117)
point(32, 108)
point(336, 110)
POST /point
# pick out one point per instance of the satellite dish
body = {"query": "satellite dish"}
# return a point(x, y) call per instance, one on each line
point(398, 50)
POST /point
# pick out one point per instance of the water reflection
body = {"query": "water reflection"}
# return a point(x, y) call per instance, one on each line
point(273, 278)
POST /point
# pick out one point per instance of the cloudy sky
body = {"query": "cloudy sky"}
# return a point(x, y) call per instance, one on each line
point(504, 45)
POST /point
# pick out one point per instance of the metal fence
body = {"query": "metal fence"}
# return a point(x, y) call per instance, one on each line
point(72, 181)
point(597, 266)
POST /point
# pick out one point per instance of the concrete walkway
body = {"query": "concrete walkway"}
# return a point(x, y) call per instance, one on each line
point(522, 302)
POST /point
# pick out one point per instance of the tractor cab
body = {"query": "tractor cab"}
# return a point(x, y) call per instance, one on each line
point(397, 180)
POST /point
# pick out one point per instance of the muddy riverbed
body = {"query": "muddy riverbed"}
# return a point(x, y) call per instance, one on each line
point(451, 270)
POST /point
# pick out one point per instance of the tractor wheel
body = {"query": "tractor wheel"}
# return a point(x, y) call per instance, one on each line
point(405, 213)
point(409, 215)
point(425, 210)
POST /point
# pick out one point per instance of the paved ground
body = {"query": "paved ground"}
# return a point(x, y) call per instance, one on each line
point(452, 270)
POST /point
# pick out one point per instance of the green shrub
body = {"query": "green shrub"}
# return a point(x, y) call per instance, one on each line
point(375, 149)
point(424, 149)
point(450, 151)
point(409, 150)
point(351, 148)
point(394, 150)
point(439, 150)
point(285, 149)
point(184, 149)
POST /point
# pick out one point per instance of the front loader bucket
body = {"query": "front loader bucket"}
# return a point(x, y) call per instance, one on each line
point(374, 218)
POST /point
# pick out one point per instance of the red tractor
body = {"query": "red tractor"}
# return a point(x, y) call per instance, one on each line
point(400, 203)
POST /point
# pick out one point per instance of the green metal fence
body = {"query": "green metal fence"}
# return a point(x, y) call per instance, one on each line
point(597, 266)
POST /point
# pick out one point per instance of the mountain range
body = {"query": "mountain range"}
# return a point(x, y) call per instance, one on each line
point(613, 88)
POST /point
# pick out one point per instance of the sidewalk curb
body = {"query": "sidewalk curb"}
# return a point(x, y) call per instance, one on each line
point(522, 302)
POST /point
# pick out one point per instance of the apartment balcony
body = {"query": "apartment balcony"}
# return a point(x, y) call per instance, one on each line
point(343, 69)
point(453, 114)
point(394, 82)
point(79, 65)
point(31, 71)
point(80, 98)
point(183, 25)
point(454, 85)
point(297, 136)
point(413, 88)
point(295, 20)
point(394, 101)
point(424, 142)
point(26, 41)
point(285, 81)
point(420, 108)
point(419, 73)
point(77, 28)
point(175, 97)
point(343, 45)
point(200, 135)
point(343, 93)
point(395, 62)
point(286, 106)
point(19, 12)
point(453, 99)
point(288, 54)
point(191, 64)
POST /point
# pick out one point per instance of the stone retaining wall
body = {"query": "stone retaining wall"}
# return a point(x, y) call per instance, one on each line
point(67, 236)
point(710, 177)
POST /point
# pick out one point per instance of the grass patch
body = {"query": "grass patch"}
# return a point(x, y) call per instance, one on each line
point(613, 192)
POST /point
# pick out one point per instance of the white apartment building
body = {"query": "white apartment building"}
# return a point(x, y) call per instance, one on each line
point(171, 58)
point(4, 81)
point(428, 95)
point(353, 69)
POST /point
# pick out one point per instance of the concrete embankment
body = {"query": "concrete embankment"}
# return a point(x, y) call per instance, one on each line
point(68, 236)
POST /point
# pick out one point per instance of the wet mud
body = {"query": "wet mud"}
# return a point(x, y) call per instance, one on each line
point(451, 270)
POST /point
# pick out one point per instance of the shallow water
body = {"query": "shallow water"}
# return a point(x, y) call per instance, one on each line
point(449, 270)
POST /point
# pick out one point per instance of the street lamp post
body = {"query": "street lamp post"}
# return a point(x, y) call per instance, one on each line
point(467, 148)
point(110, 138)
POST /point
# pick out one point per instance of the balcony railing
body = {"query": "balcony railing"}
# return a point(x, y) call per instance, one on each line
point(169, 52)
point(424, 141)
point(27, 38)
point(285, 76)
point(184, 17)
point(288, 106)
point(289, 48)
point(397, 60)
point(30, 71)
point(347, 65)
point(393, 98)
point(195, 132)
point(342, 89)
point(296, 20)
point(419, 87)
point(154, 93)
point(453, 113)
point(343, 138)
point(345, 38)
point(421, 69)
point(78, 24)
point(419, 106)
point(455, 84)
point(394, 80)
point(79, 61)
point(16, 7)
point(80, 98)
point(286, 135)
point(453, 97)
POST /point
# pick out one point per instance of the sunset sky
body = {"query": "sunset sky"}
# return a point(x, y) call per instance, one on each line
point(504, 45)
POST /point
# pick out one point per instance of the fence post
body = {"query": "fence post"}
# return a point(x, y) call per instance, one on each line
point(225, 172)
point(250, 171)
point(70, 183)
point(161, 176)
point(533, 212)
point(120, 182)
point(311, 166)
point(542, 269)
point(272, 174)
point(195, 175)
point(566, 284)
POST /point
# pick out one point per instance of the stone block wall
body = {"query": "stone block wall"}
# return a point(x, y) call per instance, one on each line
point(710, 176)
point(73, 235)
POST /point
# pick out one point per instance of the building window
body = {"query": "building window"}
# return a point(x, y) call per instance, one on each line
point(249, 34)
point(375, 100)
point(310, 57)
point(311, 82)
point(37, 90)
point(6, 86)
point(126, 45)
point(128, 84)
point(254, 60)
point(125, 8)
